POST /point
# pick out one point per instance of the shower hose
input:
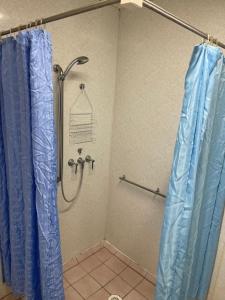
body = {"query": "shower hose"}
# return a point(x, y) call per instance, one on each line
point(72, 201)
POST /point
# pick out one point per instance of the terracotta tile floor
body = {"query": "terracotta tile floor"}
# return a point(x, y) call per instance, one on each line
point(102, 274)
point(96, 276)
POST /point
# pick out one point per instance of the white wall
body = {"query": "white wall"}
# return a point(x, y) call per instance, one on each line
point(153, 59)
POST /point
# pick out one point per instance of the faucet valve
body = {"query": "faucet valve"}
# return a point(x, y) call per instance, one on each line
point(71, 162)
point(81, 161)
point(92, 164)
point(89, 159)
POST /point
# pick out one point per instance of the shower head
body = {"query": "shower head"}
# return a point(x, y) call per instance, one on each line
point(82, 60)
point(77, 61)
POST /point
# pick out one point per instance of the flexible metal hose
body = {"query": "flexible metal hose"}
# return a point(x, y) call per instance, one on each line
point(61, 148)
point(73, 200)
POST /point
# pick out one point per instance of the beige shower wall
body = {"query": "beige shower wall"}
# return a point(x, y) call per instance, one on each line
point(92, 34)
point(153, 59)
point(95, 35)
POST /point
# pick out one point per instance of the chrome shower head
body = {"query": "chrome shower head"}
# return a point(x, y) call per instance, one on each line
point(82, 60)
point(77, 61)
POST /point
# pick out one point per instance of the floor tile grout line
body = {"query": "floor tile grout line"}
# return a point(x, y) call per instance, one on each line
point(117, 275)
point(136, 270)
point(77, 292)
point(139, 291)
point(118, 251)
point(113, 255)
point(86, 272)
point(142, 279)
point(103, 285)
point(102, 263)
point(78, 262)
point(4, 297)
point(121, 279)
point(79, 279)
point(94, 293)
point(112, 269)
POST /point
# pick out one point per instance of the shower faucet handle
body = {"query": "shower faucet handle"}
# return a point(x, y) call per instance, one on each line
point(81, 162)
point(89, 159)
point(71, 162)
point(92, 164)
point(76, 165)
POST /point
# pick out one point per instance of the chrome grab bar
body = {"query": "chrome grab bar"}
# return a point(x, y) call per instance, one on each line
point(156, 192)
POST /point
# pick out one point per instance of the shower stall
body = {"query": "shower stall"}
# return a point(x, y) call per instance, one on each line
point(110, 223)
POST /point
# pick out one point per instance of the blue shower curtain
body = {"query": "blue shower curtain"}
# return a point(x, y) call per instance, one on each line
point(196, 196)
point(29, 229)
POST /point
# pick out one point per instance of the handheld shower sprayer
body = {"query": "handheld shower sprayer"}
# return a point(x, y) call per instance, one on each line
point(61, 76)
point(77, 61)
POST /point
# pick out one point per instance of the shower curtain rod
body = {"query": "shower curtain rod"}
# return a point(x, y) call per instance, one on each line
point(146, 3)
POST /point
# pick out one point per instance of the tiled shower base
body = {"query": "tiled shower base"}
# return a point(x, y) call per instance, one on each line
point(101, 271)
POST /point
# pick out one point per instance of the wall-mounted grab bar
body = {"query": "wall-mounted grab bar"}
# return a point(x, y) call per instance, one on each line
point(156, 192)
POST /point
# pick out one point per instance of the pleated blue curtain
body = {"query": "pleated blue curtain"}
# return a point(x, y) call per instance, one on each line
point(29, 229)
point(196, 195)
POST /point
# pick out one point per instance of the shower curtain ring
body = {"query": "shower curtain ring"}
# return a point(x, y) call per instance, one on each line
point(42, 25)
point(215, 42)
point(210, 39)
point(36, 23)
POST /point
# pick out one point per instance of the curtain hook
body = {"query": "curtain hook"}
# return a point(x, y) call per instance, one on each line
point(42, 24)
point(215, 41)
point(208, 39)
point(10, 32)
point(211, 40)
point(36, 23)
